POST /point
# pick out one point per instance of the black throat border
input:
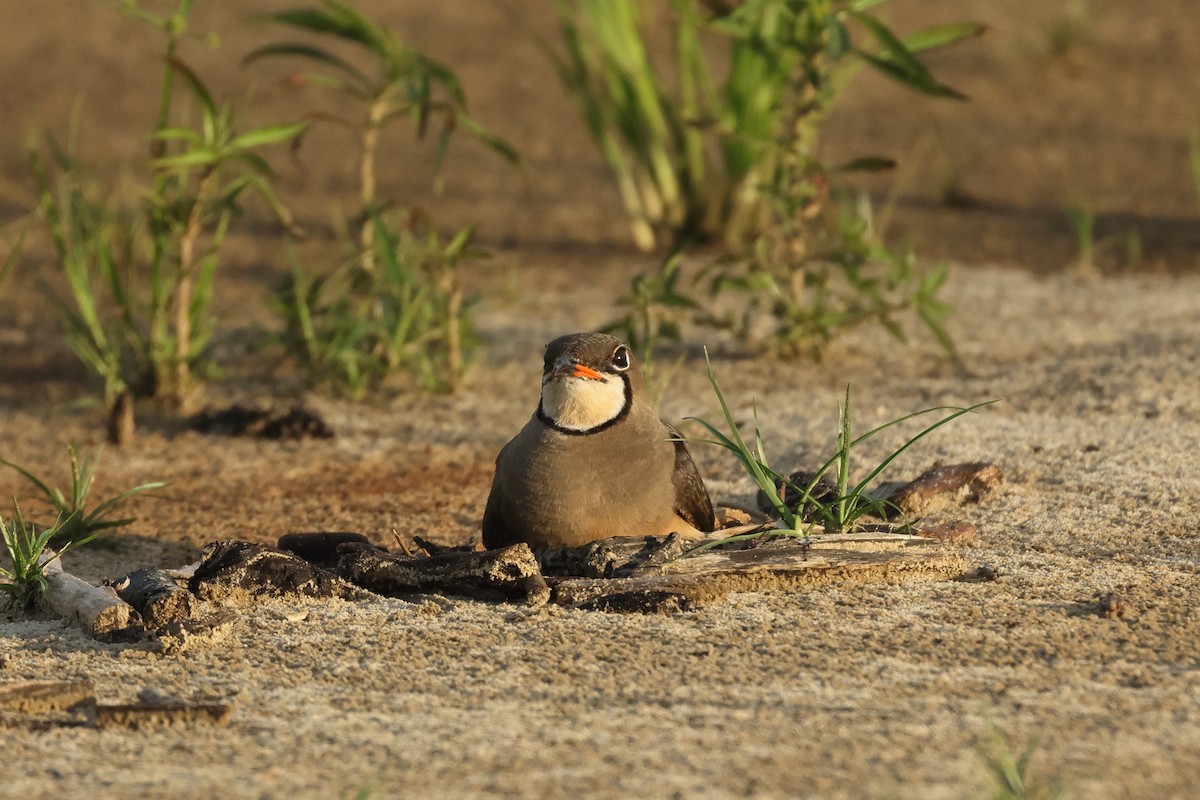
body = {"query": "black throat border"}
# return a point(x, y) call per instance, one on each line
point(603, 426)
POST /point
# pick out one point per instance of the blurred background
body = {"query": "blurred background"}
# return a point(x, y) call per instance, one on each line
point(1074, 107)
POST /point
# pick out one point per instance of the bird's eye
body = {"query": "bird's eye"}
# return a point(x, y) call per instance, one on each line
point(620, 359)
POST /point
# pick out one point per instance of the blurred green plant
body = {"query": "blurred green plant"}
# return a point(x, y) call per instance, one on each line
point(836, 511)
point(406, 83)
point(657, 308)
point(1011, 774)
point(804, 287)
point(704, 156)
point(1083, 225)
point(74, 522)
point(141, 276)
point(732, 156)
point(1073, 26)
point(406, 313)
point(10, 258)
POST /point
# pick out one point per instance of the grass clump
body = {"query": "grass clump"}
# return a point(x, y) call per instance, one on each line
point(408, 313)
point(698, 150)
point(141, 276)
point(28, 553)
point(74, 522)
point(397, 304)
point(836, 511)
point(702, 154)
point(1011, 775)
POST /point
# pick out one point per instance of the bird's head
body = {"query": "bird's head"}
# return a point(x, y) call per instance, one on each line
point(588, 382)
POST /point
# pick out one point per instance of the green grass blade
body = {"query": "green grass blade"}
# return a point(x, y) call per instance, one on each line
point(311, 53)
point(937, 36)
point(197, 87)
point(930, 429)
point(270, 134)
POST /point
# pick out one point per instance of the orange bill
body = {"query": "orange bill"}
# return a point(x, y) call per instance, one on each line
point(590, 374)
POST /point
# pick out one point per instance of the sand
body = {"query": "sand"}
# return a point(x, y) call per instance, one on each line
point(879, 690)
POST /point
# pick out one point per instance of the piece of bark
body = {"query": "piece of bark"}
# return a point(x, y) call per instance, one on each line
point(40, 697)
point(778, 565)
point(237, 572)
point(97, 609)
point(508, 570)
point(616, 557)
point(320, 547)
point(943, 485)
point(160, 712)
point(156, 596)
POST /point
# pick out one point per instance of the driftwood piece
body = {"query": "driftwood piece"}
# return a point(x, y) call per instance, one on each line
point(98, 609)
point(512, 570)
point(616, 557)
point(236, 572)
point(156, 596)
point(943, 485)
point(147, 713)
point(321, 547)
point(40, 697)
point(778, 565)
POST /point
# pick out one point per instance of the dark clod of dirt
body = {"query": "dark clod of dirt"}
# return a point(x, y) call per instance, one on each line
point(156, 597)
point(238, 420)
point(1112, 605)
point(321, 547)
point(513, 571)
point(179, 636)
point(238, 571)
point(984, 573)
point(648, 602)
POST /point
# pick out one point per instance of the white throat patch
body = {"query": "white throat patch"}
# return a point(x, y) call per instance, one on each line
point(581, 404)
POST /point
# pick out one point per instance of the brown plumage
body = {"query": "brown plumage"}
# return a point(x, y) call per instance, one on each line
point(595, 460)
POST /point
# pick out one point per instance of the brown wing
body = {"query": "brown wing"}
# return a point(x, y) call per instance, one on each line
point(691, 498)
point(496, 529)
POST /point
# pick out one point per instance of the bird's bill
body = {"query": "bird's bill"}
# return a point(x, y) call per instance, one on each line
point(565, 368)
point(588, 373)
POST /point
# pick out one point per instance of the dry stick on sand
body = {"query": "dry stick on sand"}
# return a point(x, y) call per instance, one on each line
point(98, 609)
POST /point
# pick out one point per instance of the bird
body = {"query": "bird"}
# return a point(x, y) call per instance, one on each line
point(595, 460)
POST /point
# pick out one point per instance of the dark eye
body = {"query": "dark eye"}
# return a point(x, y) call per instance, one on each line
point(620, 359)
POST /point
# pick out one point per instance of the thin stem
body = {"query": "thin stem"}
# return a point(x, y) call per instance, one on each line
point(184, 284)
point(366, 179)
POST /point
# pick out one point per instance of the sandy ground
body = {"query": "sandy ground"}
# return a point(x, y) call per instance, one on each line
point(880, 690)
point(867, 691)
